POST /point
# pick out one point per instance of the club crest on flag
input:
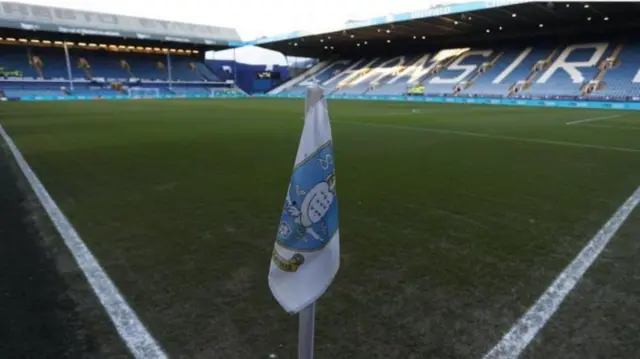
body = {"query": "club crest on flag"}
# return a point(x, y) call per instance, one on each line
point(306, 252)
point(310, 214)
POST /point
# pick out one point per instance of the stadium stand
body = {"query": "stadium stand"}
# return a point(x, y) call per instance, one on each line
point(558, 50)
point(534, 71)
point(138, 57)
point(42, 71)
point(443, 54)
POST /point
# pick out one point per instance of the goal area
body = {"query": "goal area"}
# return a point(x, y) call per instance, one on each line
point(142, 92)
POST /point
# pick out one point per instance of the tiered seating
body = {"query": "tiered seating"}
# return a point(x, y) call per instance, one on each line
point(411, 72)
point(484, 85)
point(584, 69)
point(101, 63)
point(42, 71)
point(374, 80)
point(349, 81)
point(35, 62)
point(535, 62)
point(332, 73)
point(205, 71)
point(560, 82)
point(588, 68)
point(341, 76)
point(98, 64)
point(619, 80)
point(222, 69)
point(447, 79)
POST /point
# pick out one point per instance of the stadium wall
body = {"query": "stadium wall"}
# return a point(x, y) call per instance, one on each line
point(604, 105)
point(248, 77)
point(609, 105)
point(123, 97)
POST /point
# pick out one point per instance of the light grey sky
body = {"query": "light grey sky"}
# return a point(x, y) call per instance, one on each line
point(252, 18)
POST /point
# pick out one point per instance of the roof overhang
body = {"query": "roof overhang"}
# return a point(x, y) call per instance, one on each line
point(533, 20)
point(84, 23)
point(21, 37)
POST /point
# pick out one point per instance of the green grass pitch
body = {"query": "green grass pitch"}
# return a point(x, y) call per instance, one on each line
point(454, 219)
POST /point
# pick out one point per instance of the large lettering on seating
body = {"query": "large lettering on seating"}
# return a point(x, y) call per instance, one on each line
point(514, 64)
point(382, 70)
point(572, 67)
point(352, 72)
point(636, 78)
point(457, 66)
point(416, 70)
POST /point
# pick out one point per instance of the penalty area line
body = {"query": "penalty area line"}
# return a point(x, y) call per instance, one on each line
point(614, 127)
point(592, 119)
point(137, 338)
point(485, 135)
point(527, 327)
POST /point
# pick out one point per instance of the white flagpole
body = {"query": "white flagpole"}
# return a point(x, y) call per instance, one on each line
point(300, 274)
point(307, 316)
point(306, 331)
point(68, 62)
point(169, 71)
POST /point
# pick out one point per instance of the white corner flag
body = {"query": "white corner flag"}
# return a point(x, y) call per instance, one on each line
point(306, 254)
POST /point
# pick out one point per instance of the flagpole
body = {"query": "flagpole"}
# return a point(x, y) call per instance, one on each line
point(68, 63)
point(169, 72)
point(306, 331)
point(307, 316)
point(301, 277)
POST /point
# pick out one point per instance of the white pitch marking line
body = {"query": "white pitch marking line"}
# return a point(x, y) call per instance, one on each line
point(592, 119)
point(497, 137)
point(615, 127)
point(140, 342)
point(527, 327)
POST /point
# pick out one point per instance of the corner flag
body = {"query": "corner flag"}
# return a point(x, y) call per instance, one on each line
point(306, 254)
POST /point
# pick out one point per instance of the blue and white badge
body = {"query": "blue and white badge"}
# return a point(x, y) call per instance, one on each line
point(310, 215)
